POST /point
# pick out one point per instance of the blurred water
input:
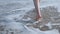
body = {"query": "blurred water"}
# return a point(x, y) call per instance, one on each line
point(8, 4)
point(10, 10)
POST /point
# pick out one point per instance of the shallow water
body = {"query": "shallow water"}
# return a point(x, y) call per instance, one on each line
point(12, 11)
